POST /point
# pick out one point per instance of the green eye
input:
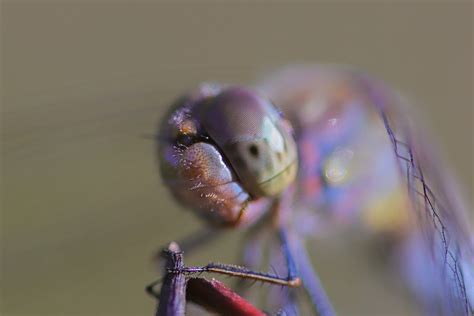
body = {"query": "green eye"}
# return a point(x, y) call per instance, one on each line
point(250, 132)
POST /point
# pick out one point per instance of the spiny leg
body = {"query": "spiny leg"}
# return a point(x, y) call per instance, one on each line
point(240, 272)
point(292, 280)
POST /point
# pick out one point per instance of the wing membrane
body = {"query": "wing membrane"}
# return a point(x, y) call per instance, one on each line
point(441, 214)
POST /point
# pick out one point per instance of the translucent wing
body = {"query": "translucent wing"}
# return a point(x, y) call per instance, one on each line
point(440, 212)
point(435, 249)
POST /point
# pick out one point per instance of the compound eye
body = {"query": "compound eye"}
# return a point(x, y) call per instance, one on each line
point(254, 138)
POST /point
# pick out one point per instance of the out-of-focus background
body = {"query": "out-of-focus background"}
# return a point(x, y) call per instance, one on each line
point(83, 207)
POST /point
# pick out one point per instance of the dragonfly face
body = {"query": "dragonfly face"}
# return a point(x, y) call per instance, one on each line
point(226, 151)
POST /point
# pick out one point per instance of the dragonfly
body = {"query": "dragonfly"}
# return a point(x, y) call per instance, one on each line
point(317, 151)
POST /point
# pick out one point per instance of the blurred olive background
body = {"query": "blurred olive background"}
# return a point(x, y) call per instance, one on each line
point(83, 207)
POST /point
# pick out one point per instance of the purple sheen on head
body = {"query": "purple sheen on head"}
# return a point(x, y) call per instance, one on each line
point(236, 114)
point(169, 156)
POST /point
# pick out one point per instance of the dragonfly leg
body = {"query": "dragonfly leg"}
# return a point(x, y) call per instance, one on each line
point(292, 280)
point(311, 281)
point(300, 265)
point(288, 255)
point(283, 299)
point(240, 272)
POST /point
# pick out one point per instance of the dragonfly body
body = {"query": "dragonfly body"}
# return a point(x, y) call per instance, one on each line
point(342, 155)
point(385, 180)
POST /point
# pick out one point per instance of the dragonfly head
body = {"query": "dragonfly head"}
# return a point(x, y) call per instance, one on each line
point(223, 150)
